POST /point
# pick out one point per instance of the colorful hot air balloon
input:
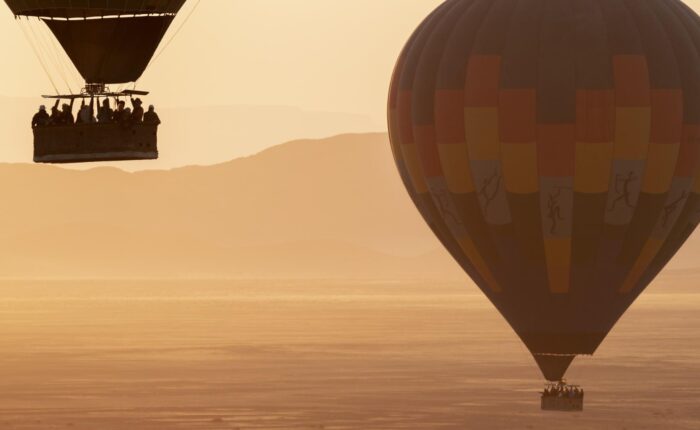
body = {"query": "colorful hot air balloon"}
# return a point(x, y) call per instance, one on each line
point(553, 147)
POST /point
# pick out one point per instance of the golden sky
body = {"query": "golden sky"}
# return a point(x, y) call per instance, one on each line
point(317, 55)
point(332, 55)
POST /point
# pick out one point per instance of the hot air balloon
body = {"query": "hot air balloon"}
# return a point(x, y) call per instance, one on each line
point(553, 148)
point(108, 42)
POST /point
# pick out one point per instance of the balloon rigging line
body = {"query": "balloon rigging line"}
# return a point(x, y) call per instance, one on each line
point(167, 43)
point(44, 51)
point(40, 49)
point(38, 56)
point(182, 24)
point(51, 51)
point(66, 65)
point(55, 57)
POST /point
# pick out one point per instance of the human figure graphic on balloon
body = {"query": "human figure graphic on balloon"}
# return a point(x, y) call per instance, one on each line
point(488, 184)
point(554, 212)
point(624, 192)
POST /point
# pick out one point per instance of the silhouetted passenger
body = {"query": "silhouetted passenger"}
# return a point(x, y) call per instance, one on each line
point(86, 113)
point(151, 117)
point(55, 117)
point(137, 114)
point(83, 114)
point(118, 114)
point(105, 113)
point(41, 118)
point(67, 117)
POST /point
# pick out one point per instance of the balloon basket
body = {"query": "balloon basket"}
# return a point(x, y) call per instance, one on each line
point(80, 143)
point(561, 397)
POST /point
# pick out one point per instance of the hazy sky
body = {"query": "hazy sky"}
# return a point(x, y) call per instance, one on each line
point(334, 55)
point(324, 55)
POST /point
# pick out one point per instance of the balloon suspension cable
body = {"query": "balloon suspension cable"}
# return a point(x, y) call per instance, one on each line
point(48, 52)
point(52, 54)
point(177, 31)
point(38, 56)
point(64, 62)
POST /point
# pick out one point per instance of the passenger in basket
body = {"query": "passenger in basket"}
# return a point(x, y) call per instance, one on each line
point(105, 113)
point(118, 114)
point(151, 117)
point(41, 118)
point(137, 114)
point(67, 117)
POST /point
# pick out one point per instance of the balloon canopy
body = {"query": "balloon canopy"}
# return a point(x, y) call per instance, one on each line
point(92, 8)
point(553, 147)
point(108, 41)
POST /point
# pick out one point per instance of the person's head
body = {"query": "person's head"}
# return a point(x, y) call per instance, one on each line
point(121, 104)
point(127, 110)
point(42, 108)
point(65, 107)
point(105, 102)
point(137, 102)
point(151, 108)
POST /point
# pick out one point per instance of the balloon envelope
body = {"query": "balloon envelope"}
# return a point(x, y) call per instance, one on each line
point(108, 41)
point(553, 147)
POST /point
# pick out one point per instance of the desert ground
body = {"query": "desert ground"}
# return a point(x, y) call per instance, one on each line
point(240, 354)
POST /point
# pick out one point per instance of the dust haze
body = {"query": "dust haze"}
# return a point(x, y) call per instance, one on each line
point(322, 355)
point(253, 306)
point(270, 271)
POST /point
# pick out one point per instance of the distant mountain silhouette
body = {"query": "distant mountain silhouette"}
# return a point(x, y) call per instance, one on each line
point(310, 208)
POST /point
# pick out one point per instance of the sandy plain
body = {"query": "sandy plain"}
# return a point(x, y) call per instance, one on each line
point(146, 355)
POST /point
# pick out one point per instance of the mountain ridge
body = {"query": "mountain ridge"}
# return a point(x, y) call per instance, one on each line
point(309, 207)
point(332, 207)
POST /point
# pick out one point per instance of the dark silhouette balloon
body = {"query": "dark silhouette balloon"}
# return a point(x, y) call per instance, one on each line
point(553, 147)
point(108, 41)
